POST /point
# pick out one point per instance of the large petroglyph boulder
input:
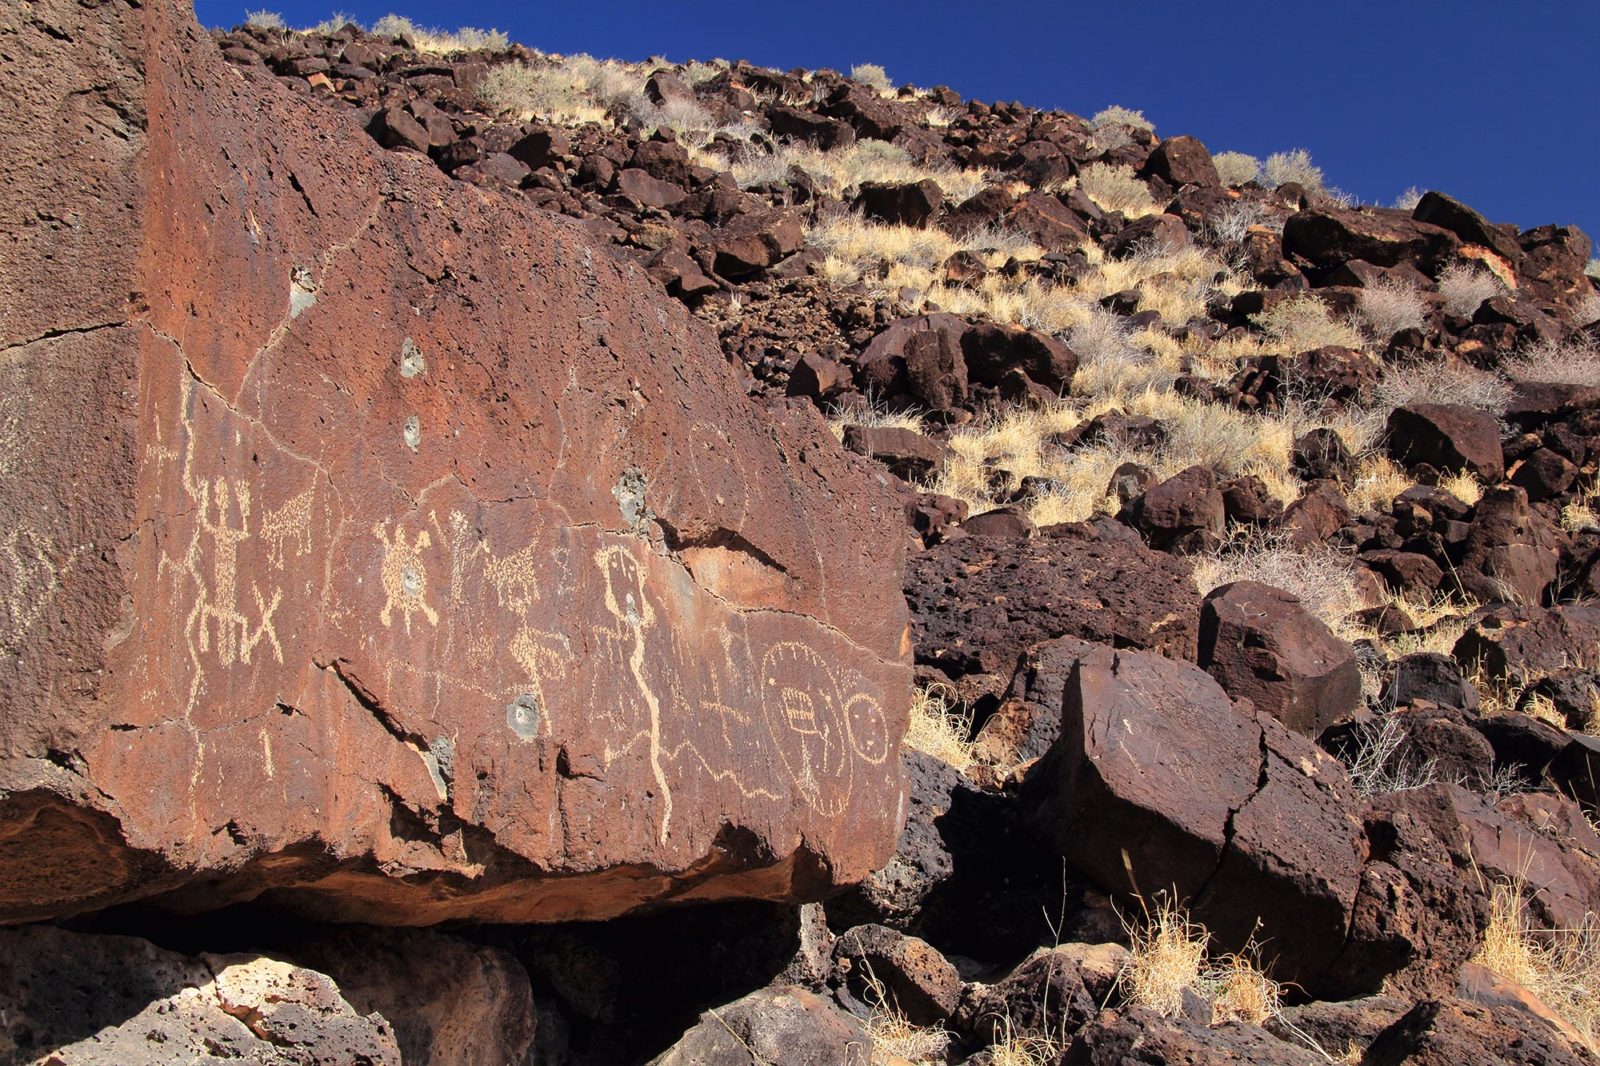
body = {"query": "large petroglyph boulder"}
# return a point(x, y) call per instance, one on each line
point(377, 543)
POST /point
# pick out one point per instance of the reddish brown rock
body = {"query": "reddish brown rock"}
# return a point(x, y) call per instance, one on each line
point(1511, 553)
point(1450, 1032)
point(977, 602)
point(1447, 437)
point(907, 453)
point(884, 967)
point(1330, 237)
point(416, 559)
point(781, 1024)
point(1182, 161)
point(1262, 645)
point(1158, 783)
point(1182, 513)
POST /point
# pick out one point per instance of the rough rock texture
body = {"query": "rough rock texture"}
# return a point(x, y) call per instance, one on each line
point(414, 558)
point(977, 602)
point(1262, 645)
point(1447, 436)
point(82, 1000)
point(784, 1024)
point(448, 1001)
point(1143, 1037)
point(1158, 783)
point(1450, 1032)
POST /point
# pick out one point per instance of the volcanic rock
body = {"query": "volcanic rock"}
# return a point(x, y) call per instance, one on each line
point(977, 602)
point(1447, 437)
point(417, 559)
point(1262, 645)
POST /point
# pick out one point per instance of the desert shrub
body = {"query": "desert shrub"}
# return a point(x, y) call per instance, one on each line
point(1408, 200)
point(1296, 166)
point(1379, 760)
point(1464, 287)
point(1560, 966)
point(440, 42)
point(1303, 323)
point(1116, 115)
point(1169, 958)
point(265, 20)
point(841, 170)
point(940, 726)
point(1579, 514)
point(872, 76)
point(1571, 362)
point(1236, 168)
point(1114, 187)
point(1442, 381)
point(332, 24)
point(1229, 225)
point(1391, 306)
point(1592, 268)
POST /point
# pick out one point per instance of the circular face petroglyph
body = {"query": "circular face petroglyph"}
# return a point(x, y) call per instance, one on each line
point(803, 715)
point(868, 728)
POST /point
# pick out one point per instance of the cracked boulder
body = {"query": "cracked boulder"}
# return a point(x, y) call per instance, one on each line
point(81, 1000)
point(1159, 784)
point(413, 558)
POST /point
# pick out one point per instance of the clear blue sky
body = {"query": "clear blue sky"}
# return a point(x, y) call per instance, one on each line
point(1496, 102)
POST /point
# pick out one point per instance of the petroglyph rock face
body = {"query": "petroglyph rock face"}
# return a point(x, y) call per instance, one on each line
point(384, 547)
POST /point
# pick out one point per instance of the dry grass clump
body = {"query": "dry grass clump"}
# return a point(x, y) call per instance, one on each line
point(1573, 362)
point(332, 24)
point(1592, 268)
point(1465, 286)
point(1169, 959)
point(567, 90)
point(1116, 115)
point(265, 20)
point(1579, 514)
point(1560, 966)
point(872, 415)
point(1114, 187)
point(1236, 168)
point(1230, 225)
point(895, 1040)
point(1323, 580)
point(1408, 200)
point(940, 726)
point(1391, 306)
point(440, 42)
point(1378, 481)
point(838, 171)
point(1379, 761)
point(893, 261)
point(1296, 166)
point(1464, 487)
point(873, 77)
point(1442, 381)
point(1305, 322)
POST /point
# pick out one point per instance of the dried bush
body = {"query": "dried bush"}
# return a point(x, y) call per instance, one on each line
point(1560, 966)
point(265, 20)
point(1571, 362)
point(1296, 166)
point(940, 726)
point(440, 42)
point(1442, 381)
point(872, 76)
point(1114, 187)
point(1236, 168)
point(1390, 306)
point(1303, 323)
point(1116, 115)
point(1169, 959)
point(1408, 200)
point(1380, 761)
point(1465, 286)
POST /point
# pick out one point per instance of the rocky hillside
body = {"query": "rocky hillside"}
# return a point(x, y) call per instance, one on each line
point(519, 558)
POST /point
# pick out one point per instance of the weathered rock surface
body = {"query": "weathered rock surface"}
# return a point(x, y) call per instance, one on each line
point(415, 558)
point(1158, 783)
point(1262, 645)
point(784, 1024)
point(84, 1000)
point(977, 602)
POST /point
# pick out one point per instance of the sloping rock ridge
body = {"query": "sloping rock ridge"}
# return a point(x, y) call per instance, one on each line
point(385, 548)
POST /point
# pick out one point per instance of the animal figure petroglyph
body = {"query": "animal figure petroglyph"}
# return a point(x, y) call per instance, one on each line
point(405, 578)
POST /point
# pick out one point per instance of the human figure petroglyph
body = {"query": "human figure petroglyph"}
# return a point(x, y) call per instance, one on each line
point(623, 644)
point(215, 617)
point(405, 578)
